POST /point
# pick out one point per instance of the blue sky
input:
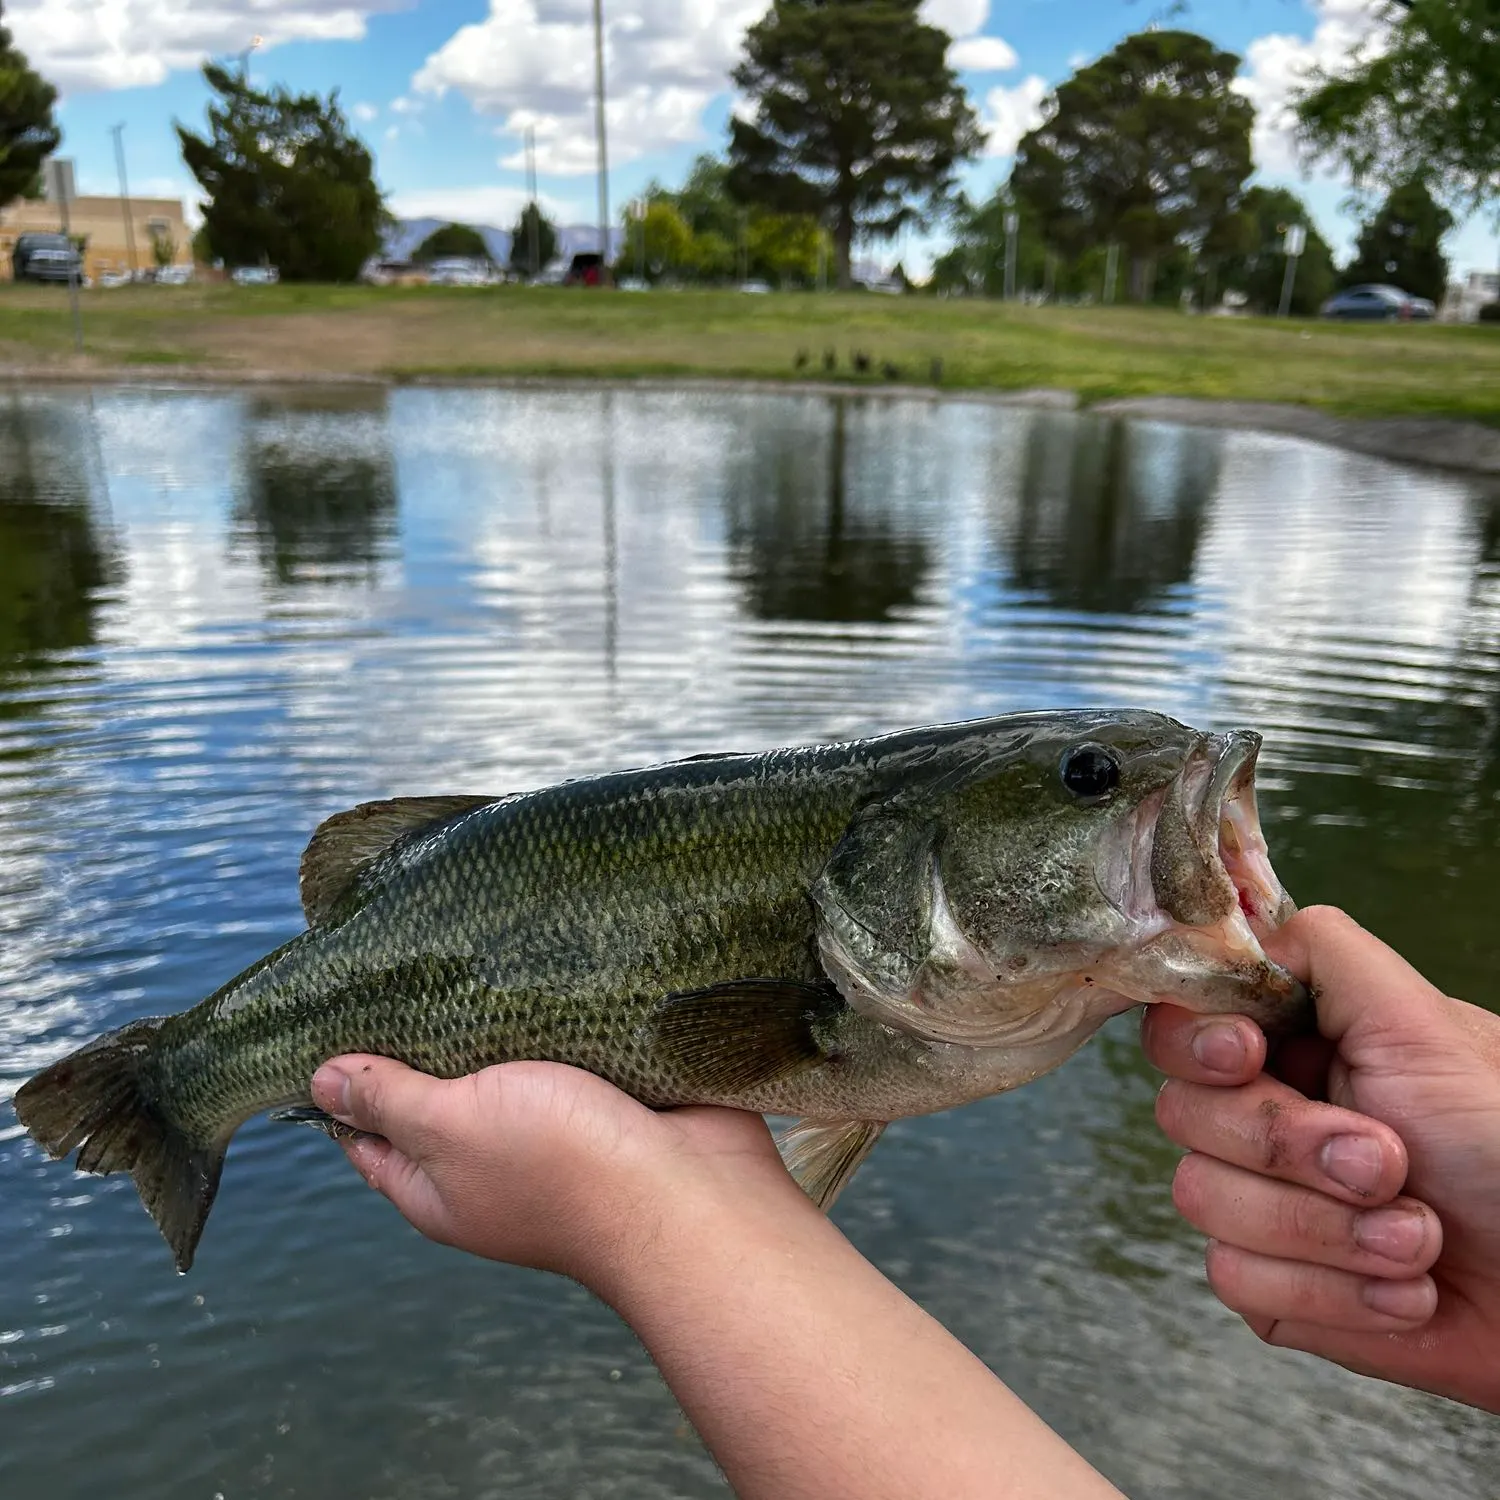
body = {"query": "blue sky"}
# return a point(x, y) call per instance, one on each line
point(442, 89)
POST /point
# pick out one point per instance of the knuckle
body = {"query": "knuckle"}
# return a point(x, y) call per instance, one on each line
point(1272, 1135)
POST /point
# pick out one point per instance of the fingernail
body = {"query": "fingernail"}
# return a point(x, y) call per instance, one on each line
point(1352, 1161)
point(1219, 1047)
point(1411, 1301)
point(330, 1091)
point(1396, 1233)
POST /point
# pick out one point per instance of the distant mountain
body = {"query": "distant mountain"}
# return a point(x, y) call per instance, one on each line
point(407, 234)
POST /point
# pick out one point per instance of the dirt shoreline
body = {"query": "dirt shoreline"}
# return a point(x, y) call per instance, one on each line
point(1432, 442)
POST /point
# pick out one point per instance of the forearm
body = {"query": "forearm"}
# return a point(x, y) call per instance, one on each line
point(808, 1374)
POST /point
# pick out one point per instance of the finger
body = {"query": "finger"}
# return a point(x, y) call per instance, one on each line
point(1202, 1049)
point(1262, 1289)
point(398, 1178)
point(382, 1097)
point(1357, 979)
point(1271, 1129)
point(1400, 1239)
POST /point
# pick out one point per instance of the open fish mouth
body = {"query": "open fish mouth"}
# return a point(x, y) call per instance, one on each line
point(1219, 799)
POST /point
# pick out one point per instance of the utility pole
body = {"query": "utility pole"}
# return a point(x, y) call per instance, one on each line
point(534, 225)
point(1111, 269)
point(599, 131)
point(1294, 244)
point(60, 178)
point(118, 131)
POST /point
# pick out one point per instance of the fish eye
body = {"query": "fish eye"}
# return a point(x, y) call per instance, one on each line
point(1089, 771)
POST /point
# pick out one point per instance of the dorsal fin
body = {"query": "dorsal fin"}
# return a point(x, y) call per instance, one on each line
point(346, 844)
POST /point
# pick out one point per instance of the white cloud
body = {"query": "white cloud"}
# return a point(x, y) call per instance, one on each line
point(982, 54)
point(957, 17)
point(531, 63)
point(1009, 113)
point(487, 204)
point(1277, 63)
point(364, 113)
point(116, 44)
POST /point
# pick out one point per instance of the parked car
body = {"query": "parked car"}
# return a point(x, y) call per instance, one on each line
point(45, 257)
point(585, 269)
point(173, 275)
point(1387, 304)
point(255, 276)
point(458, 270)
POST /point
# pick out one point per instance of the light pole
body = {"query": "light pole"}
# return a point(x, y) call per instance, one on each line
point(118, 131)
point(599, 131)
point(254, 46)
point(534, 227)
point(1012, 228)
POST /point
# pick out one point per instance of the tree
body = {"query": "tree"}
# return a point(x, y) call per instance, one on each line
point(659, 240)
point(28, 133)
point(1420, 99)
point(1147, 146)
point(521, 237)
point(1256, 266)
point(288, 183)
point(163, 248)
point(859, 120)
point(452, 239)
point(1402, 244)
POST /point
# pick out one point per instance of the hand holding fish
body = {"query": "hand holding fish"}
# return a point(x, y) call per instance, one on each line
point(807, 1373)
point(1351, 1194)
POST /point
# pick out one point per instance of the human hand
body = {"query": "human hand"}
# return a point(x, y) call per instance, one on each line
point(1371, 1238)
point(543, 1165)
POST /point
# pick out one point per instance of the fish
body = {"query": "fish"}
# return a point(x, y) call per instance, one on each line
point(843, 934)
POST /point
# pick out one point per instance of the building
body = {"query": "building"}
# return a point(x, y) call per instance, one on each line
point(159, 227)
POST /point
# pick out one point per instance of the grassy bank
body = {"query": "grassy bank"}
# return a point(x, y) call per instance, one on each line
point(1097, 352)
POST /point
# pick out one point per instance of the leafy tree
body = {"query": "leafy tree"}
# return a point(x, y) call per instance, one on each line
point(1402, 244)
point(163, 248)
point(520, 241)
point(1147, 146)
point(976, 262)
point(287, 181)
point(859, 120)
point(1421, 101)
point(452, 239)
point(1256, 265)
point(660, 239)
point(723, 233)
point(28, 133)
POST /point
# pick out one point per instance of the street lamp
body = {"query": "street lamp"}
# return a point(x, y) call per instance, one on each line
point(254, 46)
point(599, 131)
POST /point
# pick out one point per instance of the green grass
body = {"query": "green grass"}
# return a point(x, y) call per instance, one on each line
point(397, 333)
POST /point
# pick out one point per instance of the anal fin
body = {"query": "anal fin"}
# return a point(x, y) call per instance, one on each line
point(319, 1119)
point(822, 1158)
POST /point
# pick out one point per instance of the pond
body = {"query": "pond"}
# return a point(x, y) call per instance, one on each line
point(224, 615)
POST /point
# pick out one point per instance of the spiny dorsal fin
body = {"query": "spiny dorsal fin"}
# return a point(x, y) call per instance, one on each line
point(349, 842)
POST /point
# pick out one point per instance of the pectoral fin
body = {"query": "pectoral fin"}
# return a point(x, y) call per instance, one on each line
point(822, 1158)
point(737, 1036)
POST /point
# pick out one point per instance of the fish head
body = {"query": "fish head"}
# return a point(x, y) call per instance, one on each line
point(1057, 869)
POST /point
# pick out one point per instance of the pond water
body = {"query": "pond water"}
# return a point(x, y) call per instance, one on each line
point(225, 615)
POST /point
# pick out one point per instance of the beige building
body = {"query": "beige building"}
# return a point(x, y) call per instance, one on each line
point(101, 221)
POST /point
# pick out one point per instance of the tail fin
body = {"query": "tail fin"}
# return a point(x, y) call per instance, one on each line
point(94, 1100)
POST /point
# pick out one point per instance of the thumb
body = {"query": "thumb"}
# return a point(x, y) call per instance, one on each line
point(382, 1097)
point(1364, 990)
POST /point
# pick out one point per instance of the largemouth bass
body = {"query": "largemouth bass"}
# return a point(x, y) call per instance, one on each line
point(847, 934)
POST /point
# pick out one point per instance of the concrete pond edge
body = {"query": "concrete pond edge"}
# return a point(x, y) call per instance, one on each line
point(1432, 442)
